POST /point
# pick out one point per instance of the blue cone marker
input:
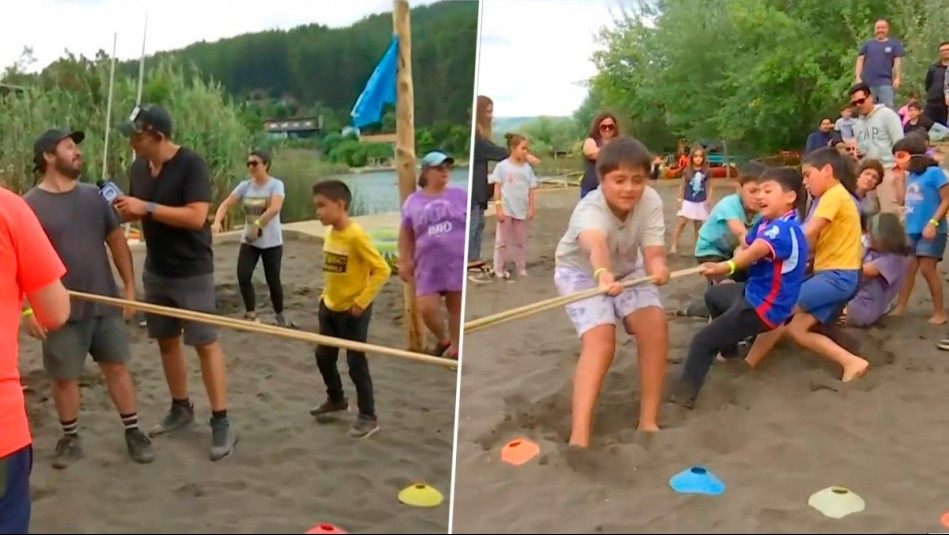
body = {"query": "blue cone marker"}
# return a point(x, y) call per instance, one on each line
point(697, 480)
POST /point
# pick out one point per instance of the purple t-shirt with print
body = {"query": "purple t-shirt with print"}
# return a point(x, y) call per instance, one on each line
point(876, 293)
point(438, 222)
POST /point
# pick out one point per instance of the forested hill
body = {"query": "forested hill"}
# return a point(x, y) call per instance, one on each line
point(323, 67)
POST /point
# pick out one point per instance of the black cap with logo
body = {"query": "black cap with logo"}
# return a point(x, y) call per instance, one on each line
point(48, 142)
point(147, 118)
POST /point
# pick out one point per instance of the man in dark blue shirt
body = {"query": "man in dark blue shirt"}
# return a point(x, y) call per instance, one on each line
point(880, 64)
point(822, 137)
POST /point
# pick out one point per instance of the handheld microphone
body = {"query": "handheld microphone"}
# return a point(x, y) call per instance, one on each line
point(109, 191)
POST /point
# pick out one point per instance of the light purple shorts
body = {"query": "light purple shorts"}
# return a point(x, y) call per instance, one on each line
point(602, 309)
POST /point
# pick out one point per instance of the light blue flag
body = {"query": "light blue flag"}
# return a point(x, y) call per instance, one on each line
point(380, 89)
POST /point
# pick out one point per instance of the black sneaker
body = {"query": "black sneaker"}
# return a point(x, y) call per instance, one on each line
point(223, 438)
point(329, 407)
point(68, 451)
point(364, 427)
point(177, 418)
point(282, 321)
point(139, 446)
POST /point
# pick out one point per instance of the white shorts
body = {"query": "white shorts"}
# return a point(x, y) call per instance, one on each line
point(603, 309)
point(696, 211)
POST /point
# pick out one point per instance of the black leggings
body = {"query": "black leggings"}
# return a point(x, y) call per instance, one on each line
point(733, 320)
point(246, 263)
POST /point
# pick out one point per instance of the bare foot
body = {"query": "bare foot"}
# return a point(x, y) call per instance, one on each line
point(855, 370)
point(939, 318)
point(673, 251)
point(720, 359)
point(898, 311)
point(647, 428)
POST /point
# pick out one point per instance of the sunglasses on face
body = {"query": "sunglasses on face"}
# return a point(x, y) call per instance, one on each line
point(858, 102)
point(606, 127)
point(253, 163)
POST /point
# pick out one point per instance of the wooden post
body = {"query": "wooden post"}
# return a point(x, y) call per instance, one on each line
point(405, 151)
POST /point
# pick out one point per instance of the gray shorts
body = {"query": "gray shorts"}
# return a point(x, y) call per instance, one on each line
point(103, 337)
point(190, 293)
point(603, 309)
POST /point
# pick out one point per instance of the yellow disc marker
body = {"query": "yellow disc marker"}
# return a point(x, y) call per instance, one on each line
point(420, 495)
point(836, 502)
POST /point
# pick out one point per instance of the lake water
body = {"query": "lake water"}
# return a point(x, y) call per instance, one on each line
point(374, 192)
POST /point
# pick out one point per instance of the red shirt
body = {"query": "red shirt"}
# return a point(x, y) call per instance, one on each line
point(28, 263)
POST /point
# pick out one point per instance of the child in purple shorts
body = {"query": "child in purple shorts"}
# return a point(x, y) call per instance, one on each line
point(616, 233)
point(432, 249)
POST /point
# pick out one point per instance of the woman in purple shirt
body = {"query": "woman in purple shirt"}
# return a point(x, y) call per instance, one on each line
point(432, 249)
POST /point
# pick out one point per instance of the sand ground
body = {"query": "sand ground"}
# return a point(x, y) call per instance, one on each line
point(289, 472)
point(774, 436)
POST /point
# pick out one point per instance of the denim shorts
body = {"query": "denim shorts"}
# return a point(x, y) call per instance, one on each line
point(933, 248)
point(826, 293)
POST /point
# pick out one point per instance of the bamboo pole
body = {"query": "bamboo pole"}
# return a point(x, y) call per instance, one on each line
point(405, 151)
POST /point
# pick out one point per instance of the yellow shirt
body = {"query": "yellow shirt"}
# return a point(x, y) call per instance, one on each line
point(353, 269)
point(838, 245)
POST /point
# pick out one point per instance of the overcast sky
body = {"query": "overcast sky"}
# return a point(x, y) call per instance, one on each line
point(85, 26)
point(534, 53)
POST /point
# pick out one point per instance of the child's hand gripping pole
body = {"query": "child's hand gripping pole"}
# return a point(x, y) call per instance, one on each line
point(549, 304)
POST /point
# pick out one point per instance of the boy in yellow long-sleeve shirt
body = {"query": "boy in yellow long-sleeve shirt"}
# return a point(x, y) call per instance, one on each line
point(353, 273)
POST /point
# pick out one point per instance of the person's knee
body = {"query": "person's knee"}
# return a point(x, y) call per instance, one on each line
point(169, 345)
point(650, 326)
point(114, 370)
point(65, 384)
point(600, 341)
point(800, 325)
point(927, 265)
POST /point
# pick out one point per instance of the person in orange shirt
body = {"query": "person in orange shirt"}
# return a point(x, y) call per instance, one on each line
point(28, 266)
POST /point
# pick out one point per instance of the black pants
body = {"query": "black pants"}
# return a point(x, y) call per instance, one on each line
point(936, 111)
point(345, 325)
point(733, 320)
point(247, 260)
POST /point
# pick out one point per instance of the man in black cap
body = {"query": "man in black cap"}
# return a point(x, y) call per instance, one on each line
point(79, 222)
point(170, 193)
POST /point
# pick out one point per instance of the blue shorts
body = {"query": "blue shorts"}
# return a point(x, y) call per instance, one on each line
point(15, 491)
point(826, 293)
point(933, 248)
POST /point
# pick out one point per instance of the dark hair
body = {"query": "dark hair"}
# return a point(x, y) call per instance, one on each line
point(942, 44)
point(690, 170)
point(857, 88)
point(875, 165)
point(846, 106)
point(334, 190)
point(263, 155)
point(915, 144)
point(750, 172)
point(914, 104)
point(841, 166)
point(888, 232)
point(595, 126)
point(828, 119)
point(623, 152)
point(513, 140)
point(790, 179)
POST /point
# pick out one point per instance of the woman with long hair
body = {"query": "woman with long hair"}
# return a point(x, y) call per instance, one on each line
point(604, 128)
point(484, 151)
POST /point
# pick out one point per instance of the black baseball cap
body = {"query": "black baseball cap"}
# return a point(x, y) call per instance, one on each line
point(48, 141)
point(147, 118)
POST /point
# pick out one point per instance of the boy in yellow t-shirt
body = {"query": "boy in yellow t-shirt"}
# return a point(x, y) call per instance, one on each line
point(834, 232)
point(353, 273)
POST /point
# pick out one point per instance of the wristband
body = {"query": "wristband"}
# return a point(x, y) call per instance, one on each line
point(28, 312)
point(257, 223)
point(597, 273)
point(731, 267)
point(497, 202)
point(934, 222)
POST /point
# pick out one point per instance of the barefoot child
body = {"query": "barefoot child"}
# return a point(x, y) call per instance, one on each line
point(432, 249)
point(885, 264)
point(729, 221)
point(614, 233)
point(514, 184)
point(353, 273)
point(926, 200)
point(834, 231)
point(776, 259)
point(695, 193)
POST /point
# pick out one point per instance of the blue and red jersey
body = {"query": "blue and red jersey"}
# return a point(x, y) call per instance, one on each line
point(774, 281)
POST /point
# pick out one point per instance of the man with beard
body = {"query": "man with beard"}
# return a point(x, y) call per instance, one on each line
point(170, 193)
point(79, 222)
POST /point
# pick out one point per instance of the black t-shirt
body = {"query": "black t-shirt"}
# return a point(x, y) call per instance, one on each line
point(174, 252)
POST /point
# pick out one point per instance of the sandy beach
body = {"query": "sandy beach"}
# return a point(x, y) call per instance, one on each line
point(289, 472)
point(773, 437)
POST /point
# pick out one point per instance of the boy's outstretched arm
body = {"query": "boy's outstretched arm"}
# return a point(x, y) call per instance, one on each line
point(738, 229)
point(593, 243)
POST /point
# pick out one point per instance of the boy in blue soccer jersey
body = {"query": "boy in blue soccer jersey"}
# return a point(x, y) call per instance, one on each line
point(775, 255)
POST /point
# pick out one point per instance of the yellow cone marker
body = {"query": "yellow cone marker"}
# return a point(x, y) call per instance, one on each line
point(420, 495)
point(836, 502)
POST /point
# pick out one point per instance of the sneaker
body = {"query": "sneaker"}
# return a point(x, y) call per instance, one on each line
point(177, 418)
point(251, 316)
point(282, 322)
point(223, 438)
point(139, 446)
point(329, 407)
point(68, 451)
point(364, 427)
